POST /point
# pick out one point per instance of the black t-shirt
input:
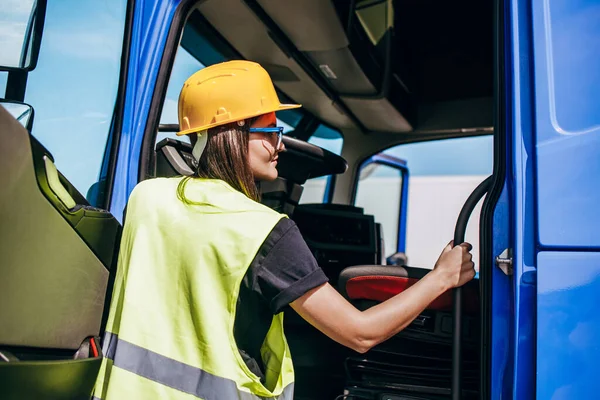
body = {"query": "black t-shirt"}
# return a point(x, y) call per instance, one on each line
point(282, 271)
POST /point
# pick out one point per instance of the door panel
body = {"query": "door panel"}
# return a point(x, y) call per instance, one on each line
point(71, 379)
point(567, 82)
point(56, 252)
point(568, 325)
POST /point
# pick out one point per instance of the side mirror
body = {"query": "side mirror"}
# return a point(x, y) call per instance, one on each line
point(367, 171)
point(20, 111)
point(21, 35)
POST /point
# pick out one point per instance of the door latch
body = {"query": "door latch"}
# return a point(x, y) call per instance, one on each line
point(505, 262)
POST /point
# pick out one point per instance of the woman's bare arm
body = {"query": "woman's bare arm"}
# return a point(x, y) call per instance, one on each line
point(325, 309)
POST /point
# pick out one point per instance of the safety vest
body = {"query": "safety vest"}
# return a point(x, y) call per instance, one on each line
point(170, 329)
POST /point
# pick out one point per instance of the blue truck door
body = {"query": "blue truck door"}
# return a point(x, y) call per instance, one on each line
point(554, 106)
point(566, 43)
point(59, 247)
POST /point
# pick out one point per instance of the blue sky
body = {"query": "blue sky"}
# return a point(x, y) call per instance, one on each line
point(463, 156)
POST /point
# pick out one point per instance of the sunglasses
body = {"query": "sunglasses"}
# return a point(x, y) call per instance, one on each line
point(278, 130)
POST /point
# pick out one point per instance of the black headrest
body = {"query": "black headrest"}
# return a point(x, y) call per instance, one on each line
point(302, 161)
point(174, 158)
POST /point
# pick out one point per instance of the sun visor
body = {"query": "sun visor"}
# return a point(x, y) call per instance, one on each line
point(343, 71)
point(233, 19)
point(378, 114)
point(313, 25)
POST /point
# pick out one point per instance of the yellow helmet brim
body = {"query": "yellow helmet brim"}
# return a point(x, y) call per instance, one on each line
point(282, 107)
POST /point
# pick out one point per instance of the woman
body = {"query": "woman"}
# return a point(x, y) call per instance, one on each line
point(205, 269)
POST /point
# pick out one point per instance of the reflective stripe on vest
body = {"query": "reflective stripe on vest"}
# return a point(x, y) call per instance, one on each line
point(175, 374)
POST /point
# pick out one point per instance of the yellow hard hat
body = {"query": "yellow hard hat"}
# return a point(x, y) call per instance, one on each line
point(224, 93)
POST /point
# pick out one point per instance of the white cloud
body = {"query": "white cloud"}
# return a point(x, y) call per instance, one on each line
point(11, 42)
point(95, 115)
point(98, 38)
point(16, 7)
point(84, 44)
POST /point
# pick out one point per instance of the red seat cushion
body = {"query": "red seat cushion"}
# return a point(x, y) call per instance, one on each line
point(379, 283)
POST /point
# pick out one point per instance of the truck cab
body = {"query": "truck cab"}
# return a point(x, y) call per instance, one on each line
point(422, 122)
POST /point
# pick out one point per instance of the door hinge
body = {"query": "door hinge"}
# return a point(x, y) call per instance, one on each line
point(505, 262)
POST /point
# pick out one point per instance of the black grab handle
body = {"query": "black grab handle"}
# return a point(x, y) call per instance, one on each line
point(459, 237)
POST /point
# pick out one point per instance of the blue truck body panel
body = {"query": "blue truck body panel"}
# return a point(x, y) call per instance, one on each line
point(566, 50)
point(553, 81)
point(568, 325)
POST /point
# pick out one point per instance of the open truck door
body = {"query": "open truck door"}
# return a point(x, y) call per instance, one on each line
point(57, 251)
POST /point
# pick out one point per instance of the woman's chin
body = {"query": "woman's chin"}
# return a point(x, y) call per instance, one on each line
point(267, 177)
point(271, 177)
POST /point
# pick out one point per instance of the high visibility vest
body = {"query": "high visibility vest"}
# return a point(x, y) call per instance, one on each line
point(170, 329)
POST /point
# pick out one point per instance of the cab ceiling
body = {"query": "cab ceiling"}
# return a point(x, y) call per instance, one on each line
point(449, 49)
point(248, 35)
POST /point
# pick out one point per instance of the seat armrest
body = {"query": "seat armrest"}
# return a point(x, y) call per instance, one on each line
point(382, 282)
point(402, 271)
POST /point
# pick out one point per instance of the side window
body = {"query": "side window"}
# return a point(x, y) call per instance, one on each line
point(329, 139)
point(184, 66)
point(379, 192)
point(442, 175)
point(288, 119)
point(74, 86)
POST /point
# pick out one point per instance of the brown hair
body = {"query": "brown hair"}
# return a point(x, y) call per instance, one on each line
point(226, 158)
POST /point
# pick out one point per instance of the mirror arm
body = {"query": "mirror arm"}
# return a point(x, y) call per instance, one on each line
point(15, 85)
point(28, 38)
